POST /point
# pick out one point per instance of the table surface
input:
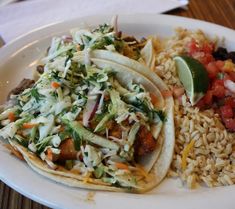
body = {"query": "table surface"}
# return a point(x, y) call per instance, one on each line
point(221, 12)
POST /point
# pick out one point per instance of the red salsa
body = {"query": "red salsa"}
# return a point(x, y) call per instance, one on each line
point(221, 71)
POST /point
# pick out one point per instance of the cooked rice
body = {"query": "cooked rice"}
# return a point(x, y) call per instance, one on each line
point(211, 161)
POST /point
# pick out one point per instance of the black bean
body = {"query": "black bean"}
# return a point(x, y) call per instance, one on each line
point(231, 55)
point(220, 54)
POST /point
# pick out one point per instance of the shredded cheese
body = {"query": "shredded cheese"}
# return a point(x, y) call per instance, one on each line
point(185, 154)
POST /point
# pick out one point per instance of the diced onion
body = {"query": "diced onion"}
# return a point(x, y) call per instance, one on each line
point(230, 85)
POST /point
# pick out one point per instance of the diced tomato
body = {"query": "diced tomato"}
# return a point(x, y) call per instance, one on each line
point(219, 91)
point(212, 70)
point(230, 101)
point(208, 97)
point(192, 46)
point(207, 47)
point(219, 64)
point(221, 99)
point(200, 104)
point(232, 75)
point(218, 88)
point(226, 111)
point(206, 100)
point(207, 58)
point(230, 123)
point(218, 82)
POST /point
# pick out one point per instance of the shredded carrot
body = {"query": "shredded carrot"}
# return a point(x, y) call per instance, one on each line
point(166, 93)
point(14, 151)
point(185, 154)
point(154, 98)
point(29, 125)
point(122, 166)
point(11, 116)
point(55, 84)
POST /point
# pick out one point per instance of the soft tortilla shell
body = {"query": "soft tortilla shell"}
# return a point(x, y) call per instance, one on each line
point(162, 158)
point(162, 165)
point(67, 178)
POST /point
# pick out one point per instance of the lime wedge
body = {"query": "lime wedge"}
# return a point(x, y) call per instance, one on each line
point(193, 76)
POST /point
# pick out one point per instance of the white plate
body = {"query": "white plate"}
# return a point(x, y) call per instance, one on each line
point(19, 57)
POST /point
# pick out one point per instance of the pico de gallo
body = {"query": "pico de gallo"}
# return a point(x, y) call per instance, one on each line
point(220, 65)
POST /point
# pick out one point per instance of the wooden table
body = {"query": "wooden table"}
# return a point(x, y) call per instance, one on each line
point(221, 12)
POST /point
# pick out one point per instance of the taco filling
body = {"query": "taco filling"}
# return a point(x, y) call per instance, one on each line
point(86, 120)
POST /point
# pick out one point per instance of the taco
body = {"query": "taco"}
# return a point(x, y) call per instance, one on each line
point(92, 123)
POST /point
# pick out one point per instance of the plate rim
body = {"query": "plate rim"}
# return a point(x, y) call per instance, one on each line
point(9, 47)
point(181, 19)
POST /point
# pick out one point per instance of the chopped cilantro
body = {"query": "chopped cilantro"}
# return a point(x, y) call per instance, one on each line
point(105, 28)
point(102, 42)
point(34, 93)
point(87, 38)
point(74, 109)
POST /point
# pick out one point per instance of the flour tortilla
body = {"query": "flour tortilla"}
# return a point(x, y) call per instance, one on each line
point(157, 163)
point(162, 165)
